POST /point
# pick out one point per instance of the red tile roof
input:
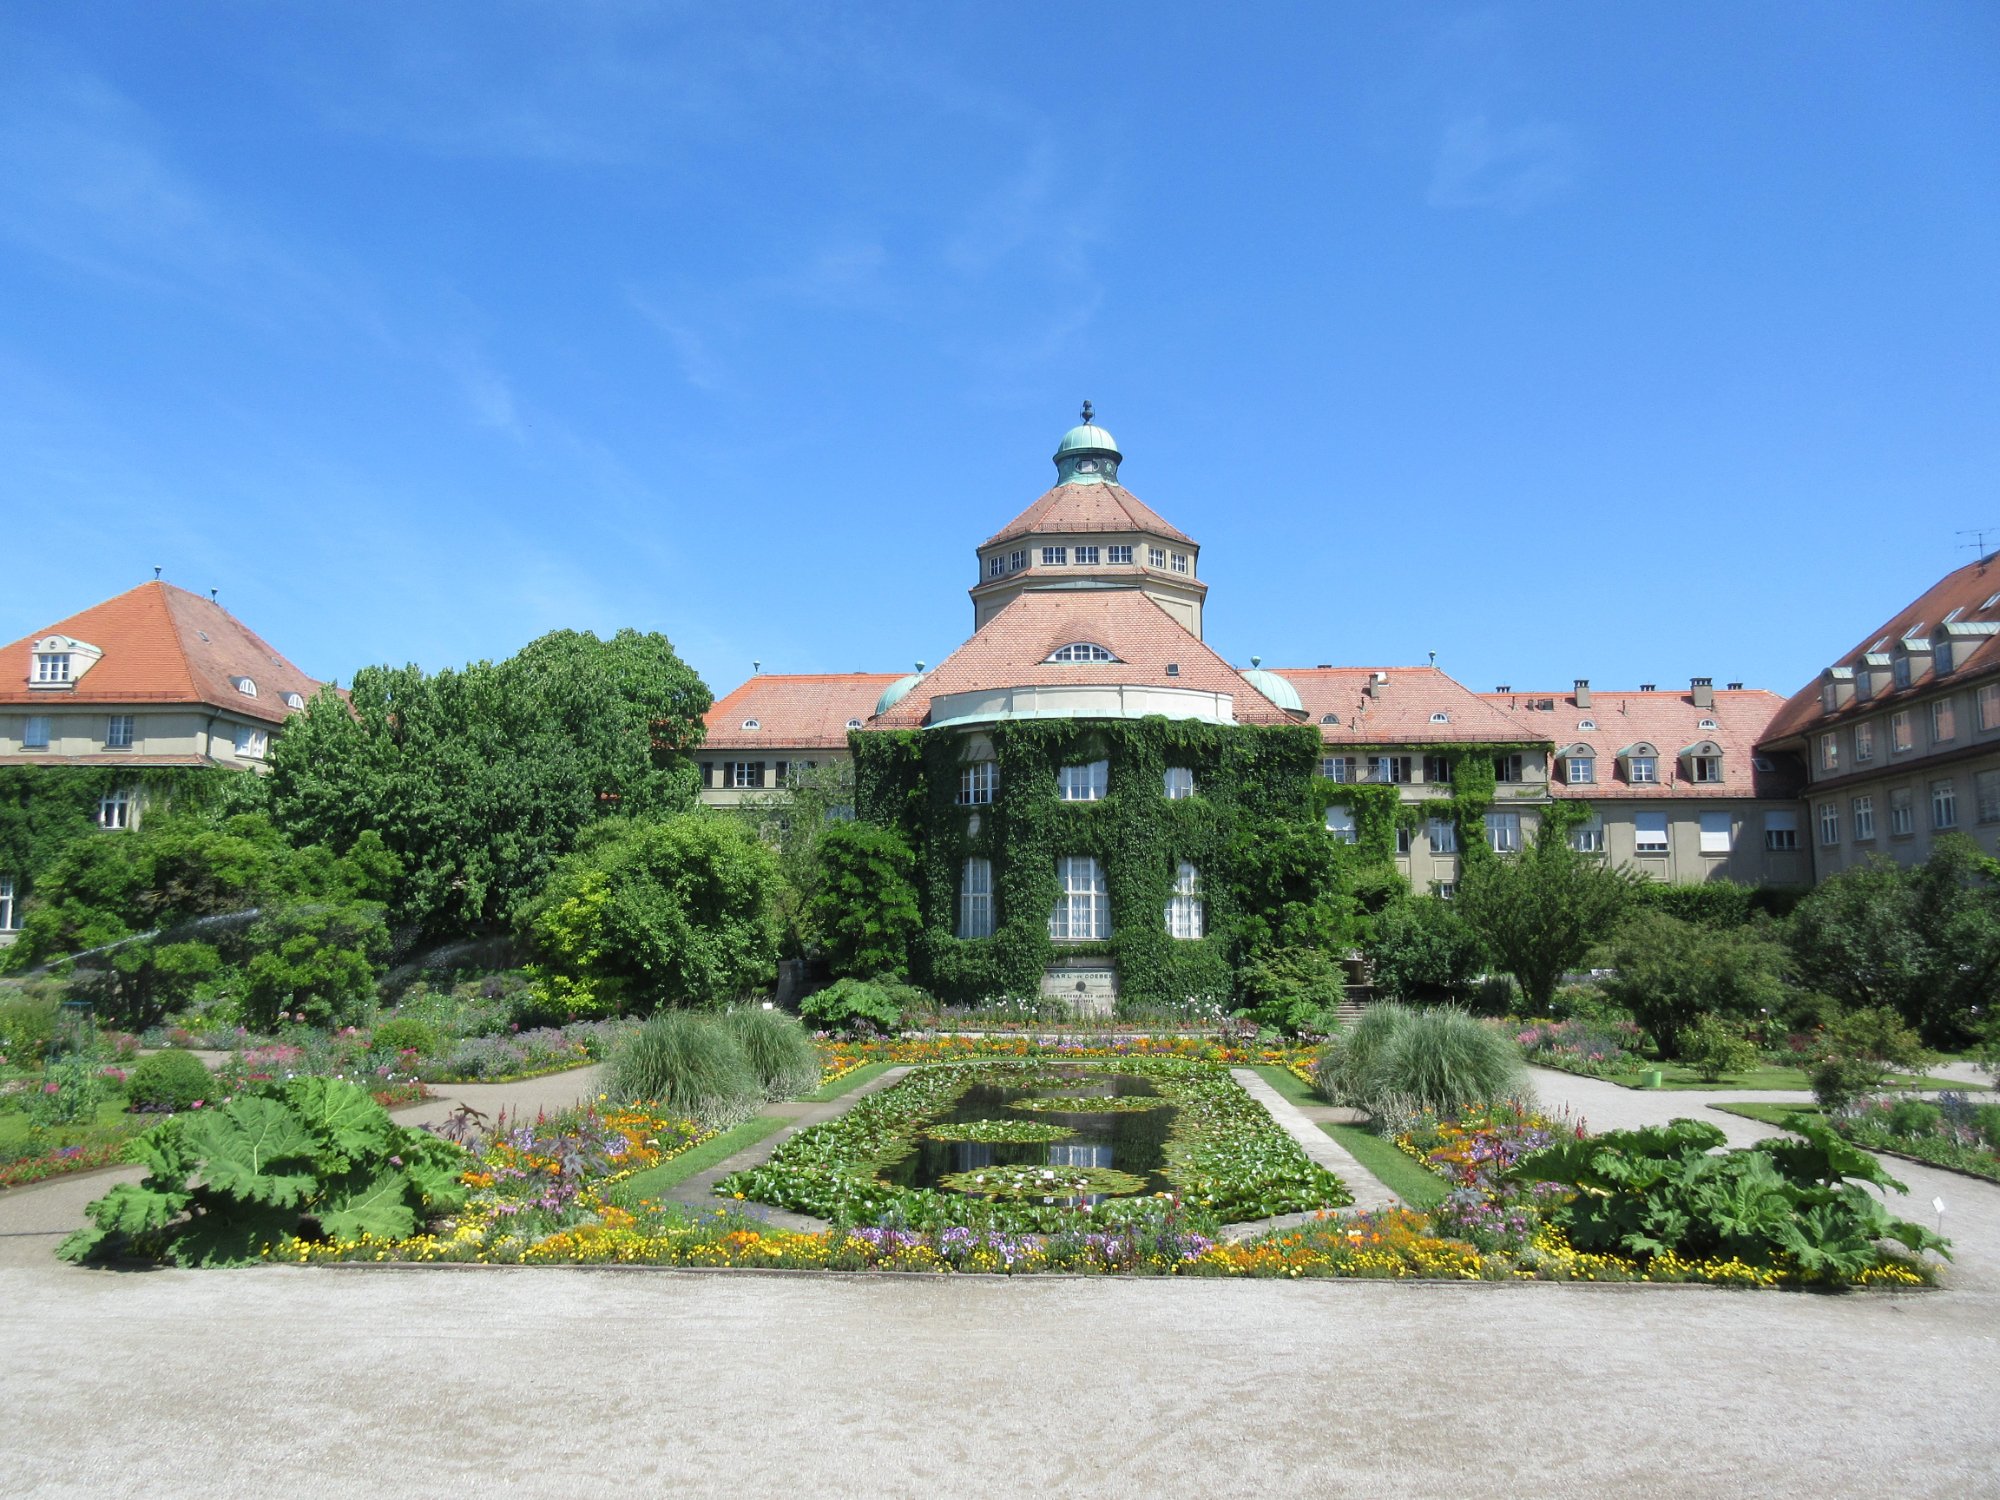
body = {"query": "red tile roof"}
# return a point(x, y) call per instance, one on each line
point(1106, 508)
point(1401, 711)
point(1973, 591)
point(1670, 723)
point(794, 711)
point(1010, 650)
point(1076, 575)
point(162, 644)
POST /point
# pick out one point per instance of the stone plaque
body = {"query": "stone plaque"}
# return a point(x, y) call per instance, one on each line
point(1090, 985)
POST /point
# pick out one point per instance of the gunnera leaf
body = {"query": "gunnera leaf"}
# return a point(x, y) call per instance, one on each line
point(377, 1205)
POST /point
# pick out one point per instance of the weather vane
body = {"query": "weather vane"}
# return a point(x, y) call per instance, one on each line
point(1087, 413)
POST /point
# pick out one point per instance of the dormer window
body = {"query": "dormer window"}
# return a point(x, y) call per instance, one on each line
point(1642, 764)
point(853, 723)
point(247, 686)
point(752, 724)
point(1707, 724)
point(295, 700)
point(1081, 651)
point(1901, 671)
point(1586, 724)
point(52, 668)
point(1329, 718)
point(1440, 718)
point(1705, 768)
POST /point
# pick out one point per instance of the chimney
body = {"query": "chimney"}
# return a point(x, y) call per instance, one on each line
point(1702, 690)
point(1503, 688)
point(1649, 687)
point(1735, 687)
point(1583, 692)
point(1376, 680)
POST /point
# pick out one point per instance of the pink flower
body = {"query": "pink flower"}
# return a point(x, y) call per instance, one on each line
point(198, 1103)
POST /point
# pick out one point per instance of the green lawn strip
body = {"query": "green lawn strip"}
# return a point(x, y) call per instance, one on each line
point(16, 1134)
point(1769, 1113)
point(1764, 1079)
point(656, 1180)
point(1401, 1174)
point(1287, 1083)
point(846, 1083)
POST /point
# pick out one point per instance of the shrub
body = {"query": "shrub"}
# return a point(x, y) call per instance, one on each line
point(854, 1005)
point(169, 1080)
point(71, 1089)
point(864, 912)
point(407, 1034)
point(1422, 949)
point(318, 1159)
point(1914, 1117)
point(692, 1064)
point(1855, 1055)
point(780, 1053)
point(1670, 973)
point(1714, 1048)
point(27, 1028)
point(1292, 990)
point(1347, 1067)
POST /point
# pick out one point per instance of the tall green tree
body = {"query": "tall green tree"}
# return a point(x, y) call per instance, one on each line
point(1292, 887)
point(792, 822)
point(1424, 949)
point(1923, 941)
point(1541, 911)
point(864, 912)
point(479, 780)
point(646, 915)
point(1669, 973)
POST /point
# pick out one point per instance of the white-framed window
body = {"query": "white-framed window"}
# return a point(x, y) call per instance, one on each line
point(1440, 718)
point(1986, 790)
point(1086, 557)
point(1715, 833)
point(1707, 768)
point(1989, 706)
point(1118, 556)
point(1156, 557)
point(1392, 769)
point(1402, 839)
point(1086, 783)
point(1180, 562)
point(1444, 890)
point(995, 565)
point(118, 732)
point(1179, 783)
point(1185, 917)
point(1588, 838)
point(295, 700)
point(853, 723)
point(7, 922)
point(114, 809)
point(52, 666)
point(1580, 770)
point(1503, 832)
point(1829, 752)
point(1081, 651)
point(1902, 812)
point(1901, 671)
point(1055, 557)
point(975, 899)
point(1944, 804)
point(35, 733)
point(1781, 830)
point(1083, 909)
point(1645, 770)
point(1337, 767)
point(251, 743)
point(1340, 824)
point(247, 686)
point(1506, 768)
point(1017, 560)
point(1863, 809)
point(1864, 741)
point(976, 783)
point(753, 724)
point(1649, 833)
point(1443, 835)
point(1437, 769)
point(745, 773)
point(1944, 722)
point(1900, 736)
point(1829, 824)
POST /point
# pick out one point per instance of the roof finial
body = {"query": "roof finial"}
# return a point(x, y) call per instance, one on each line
point(1088, 413)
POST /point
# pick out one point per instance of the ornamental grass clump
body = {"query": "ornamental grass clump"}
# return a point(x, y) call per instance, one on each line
point(1440, 1059)
point(692, 1064)
point(780, 1053)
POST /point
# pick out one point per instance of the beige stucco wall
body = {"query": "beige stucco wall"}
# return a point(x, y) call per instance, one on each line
point(1168, 589)
point(79, 731)
point(719, 795)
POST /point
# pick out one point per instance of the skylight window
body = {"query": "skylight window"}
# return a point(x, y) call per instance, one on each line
point(1081, 651)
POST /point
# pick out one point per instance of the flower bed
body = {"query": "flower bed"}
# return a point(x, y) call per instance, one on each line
point(1594, 1049)
point(1059, 1045)
point(1947, 1131)
point(1225, 1155)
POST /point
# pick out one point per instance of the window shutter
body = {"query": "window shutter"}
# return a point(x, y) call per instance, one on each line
point(778, 778)
point(708, 773)
point(756, 773)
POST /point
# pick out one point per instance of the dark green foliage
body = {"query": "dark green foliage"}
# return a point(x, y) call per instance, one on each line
point(1437, 1058)
point(1292, 886)
point(1719, 903)
point(172, 1079)
point(1715, 1048)
point(1539, 912)
point(1671, 972)
point(691, 1063)
point(909, 780)
point(780, 1053)
point(646, 915)
point(481, 779)
point(188, 897)
point(854, 1005)
point(792, 821)
point(406, 1034)
point(864, 913)
point(27, 1027)
point(1800, 1203)
point(1423, 949)
point(1856, 1053)
point(1924, 941)
point(315, 1158)
point(1294, 990)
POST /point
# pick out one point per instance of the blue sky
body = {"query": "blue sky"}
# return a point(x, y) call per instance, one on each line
point(1564, 340)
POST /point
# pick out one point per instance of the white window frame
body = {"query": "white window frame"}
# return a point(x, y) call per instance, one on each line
point(1086, 557)
point(1643, 770)
point(1902, 737)
point(1017, 560)
point(1503, 832)
point(7, 922)
point(1862, 809)
point(1119, 556)
point(975, 899)
point(35, 733)
point(1508, 768)
point(1587, 837)
point(1156, 557)
point(53, 667)
point(746, 775)
point(1829, 752)
point(977, 782)
point(1829, 825)
point(1944, 722)
point(1944, 804)
point(251, 742)
point(1338, 768)
point(1902, 812)
point(1389, 770)
point(118, 731)
point(1082, 911)
point(247, 686)
point(1986, 793)
point(1090, 782)
point(1437, 770)
point(1707, 769)
point(1055, 557)
point(114, 809)
point(1081, 651)
point(996, 566)
point(1718, 833)
point(1864, 741)
point(1442, 835)
point(1989, 706)
point(1581, 770)
point(1180, 562)
point(1186, 917)
point(1177, 783)
point(1340, 824)
point(1649, 833)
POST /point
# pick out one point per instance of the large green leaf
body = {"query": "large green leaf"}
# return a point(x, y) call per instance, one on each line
point(235, 1235)
point(343, 1115)
point(376, 1205)
point(241, 1145)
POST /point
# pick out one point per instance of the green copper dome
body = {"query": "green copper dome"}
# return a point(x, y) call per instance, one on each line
point(896, 692)
point(1274, 687)
point(1087, 453)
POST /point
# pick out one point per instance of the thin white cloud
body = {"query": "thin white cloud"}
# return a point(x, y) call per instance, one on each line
point(1513, 169)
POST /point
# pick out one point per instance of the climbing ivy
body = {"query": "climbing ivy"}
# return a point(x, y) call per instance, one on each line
point(44, 809)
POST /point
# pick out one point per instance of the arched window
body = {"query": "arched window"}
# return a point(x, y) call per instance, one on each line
point(752, 724)
point(1185, 916)
point(1081, 651)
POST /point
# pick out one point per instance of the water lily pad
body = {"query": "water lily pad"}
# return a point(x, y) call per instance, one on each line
point(1091, 1104)
point(1027, 1182)
point(1000, 1132)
